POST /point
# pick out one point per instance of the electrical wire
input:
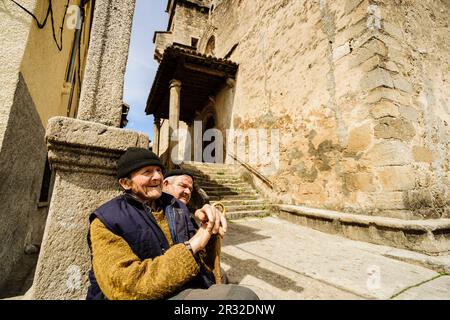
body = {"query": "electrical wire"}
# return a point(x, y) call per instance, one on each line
point(42, 24)
point(59, 45)
point(78, 44)
point(79, 50)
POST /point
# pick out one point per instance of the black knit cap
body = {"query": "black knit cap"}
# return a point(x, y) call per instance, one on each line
point(179, 172)
point(136, 158)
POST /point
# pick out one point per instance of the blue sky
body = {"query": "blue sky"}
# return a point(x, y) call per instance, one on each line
point(149, 16)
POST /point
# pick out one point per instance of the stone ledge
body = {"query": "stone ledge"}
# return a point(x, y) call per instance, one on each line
point(77, 145)
point(80, 133)
point(428, 236)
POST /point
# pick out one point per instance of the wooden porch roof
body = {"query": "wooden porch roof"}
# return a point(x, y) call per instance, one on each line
point(201, 76)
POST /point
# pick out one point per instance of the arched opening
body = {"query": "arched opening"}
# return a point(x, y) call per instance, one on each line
point(211, 46)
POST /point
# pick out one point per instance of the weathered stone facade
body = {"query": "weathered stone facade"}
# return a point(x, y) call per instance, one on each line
point(186, 24)
point(358, 90)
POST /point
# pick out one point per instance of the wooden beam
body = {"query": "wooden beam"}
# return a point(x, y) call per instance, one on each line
point(205, 70)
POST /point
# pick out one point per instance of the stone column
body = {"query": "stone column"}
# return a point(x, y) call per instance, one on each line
point(83, 157)
point(83, 153)
point(156, 135)
point(174, 115)
point(226, 122)
point(102, 91)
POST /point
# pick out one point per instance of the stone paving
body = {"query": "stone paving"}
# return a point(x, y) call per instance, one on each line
point(281, 260)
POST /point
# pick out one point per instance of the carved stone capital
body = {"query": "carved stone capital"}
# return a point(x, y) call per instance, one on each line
point(82, 146)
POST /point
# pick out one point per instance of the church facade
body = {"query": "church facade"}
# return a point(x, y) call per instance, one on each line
point(357, 91)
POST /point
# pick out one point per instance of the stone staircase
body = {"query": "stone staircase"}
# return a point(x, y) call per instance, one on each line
point(223, 183)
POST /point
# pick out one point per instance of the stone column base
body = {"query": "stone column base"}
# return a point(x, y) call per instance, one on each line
point(83, 156)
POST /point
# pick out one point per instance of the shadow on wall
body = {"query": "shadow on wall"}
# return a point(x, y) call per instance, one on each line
point(22, 160)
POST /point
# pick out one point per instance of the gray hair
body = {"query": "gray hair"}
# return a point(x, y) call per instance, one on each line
point(172, 179)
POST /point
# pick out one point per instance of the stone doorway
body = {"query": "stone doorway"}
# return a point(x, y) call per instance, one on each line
point(210, 123)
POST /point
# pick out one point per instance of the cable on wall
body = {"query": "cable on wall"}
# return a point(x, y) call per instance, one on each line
point(42, 24)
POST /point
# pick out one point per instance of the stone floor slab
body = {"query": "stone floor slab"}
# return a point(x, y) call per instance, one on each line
point(281, 257)
point(437, 289)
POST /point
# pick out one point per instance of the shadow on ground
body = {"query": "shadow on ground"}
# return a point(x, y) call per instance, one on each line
point(240, 268)
point(238, 234)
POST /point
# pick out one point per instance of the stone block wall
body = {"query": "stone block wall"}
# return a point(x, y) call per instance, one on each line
point(359, 92)
point(188, 21)
point(162, 40)
point(22, 148)
point(22, 160)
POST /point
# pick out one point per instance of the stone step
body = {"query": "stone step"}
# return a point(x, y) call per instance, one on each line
point(243, 202)
point(216, 176)
point(220, 180)
point(225, 170)
point(213, 171)
point(204, 177)
point(246, 207)
point(222, 188)
point(232, 197)
point(210, 184)
point(207, 164)
point(244, 214)
point(224, 183)
point(232, 194)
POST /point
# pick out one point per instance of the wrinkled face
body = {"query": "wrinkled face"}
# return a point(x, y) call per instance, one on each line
point(145, 183)
point(180, 187)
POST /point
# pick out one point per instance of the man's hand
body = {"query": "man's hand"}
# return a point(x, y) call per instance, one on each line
point(214, 219)
point(200, 239)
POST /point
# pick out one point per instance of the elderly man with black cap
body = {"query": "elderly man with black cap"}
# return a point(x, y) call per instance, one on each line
point(180, 184)
point(144, 244)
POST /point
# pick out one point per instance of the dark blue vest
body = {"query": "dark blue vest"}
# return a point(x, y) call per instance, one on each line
point(132, 220)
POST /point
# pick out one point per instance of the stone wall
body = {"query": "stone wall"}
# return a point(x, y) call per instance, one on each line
point(188, 21)
point(21, 151)
point(44, 66)
point(162, 40)
point(14, 29)
point(358, 90)
point(417, 41)
point(22, 160)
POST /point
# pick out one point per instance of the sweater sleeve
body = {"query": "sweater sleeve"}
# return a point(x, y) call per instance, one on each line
point(121, 275)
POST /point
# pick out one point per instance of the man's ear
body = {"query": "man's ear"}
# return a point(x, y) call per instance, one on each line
point(165, 183)
point(125, 183)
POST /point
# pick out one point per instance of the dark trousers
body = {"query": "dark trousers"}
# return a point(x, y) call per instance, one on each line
point(217, 292)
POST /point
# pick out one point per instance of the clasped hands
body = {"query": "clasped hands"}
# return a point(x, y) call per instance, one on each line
point(212, 222)
point(212, 219)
